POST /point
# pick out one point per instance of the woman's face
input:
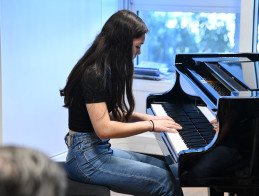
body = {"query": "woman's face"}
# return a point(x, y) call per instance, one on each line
point(137, 43)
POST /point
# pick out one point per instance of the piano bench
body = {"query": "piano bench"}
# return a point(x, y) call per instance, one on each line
point(75, 188)
point(81, 189)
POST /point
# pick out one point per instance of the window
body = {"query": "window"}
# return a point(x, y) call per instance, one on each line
point(187, 27)
point(256, 27)
point(256, 36)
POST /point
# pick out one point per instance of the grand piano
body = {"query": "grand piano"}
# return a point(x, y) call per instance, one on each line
point(224, 87)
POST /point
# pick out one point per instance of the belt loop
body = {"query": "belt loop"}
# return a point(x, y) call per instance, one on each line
point(70, 139)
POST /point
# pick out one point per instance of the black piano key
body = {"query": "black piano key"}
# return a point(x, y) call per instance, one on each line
point(188, 136)
point(175, 113)
point(196, 145)
point(187, 123)
point(191, 138)
point(197, 116)
point(206, 131)
point(191, 130)
point(199, 120)
point(180, 119)
point(197, 131)
point(183, 118)
point(203, 126)
point(196, 141)
point(207, 135)
point(189, 107)
point(186, 126)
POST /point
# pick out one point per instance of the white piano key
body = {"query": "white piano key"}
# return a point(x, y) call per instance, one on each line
point(158, 110)
point(176, 142)
point(174, 139)
point(207, 113)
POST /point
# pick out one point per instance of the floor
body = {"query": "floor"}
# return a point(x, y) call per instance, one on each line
point(186, 192)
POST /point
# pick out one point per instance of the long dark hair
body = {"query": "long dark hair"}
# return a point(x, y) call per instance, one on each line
point(112, 48)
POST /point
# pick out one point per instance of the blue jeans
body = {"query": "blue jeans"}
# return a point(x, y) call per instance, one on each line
point(91, 160)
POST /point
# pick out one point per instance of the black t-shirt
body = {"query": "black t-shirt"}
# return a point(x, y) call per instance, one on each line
point(89, 90)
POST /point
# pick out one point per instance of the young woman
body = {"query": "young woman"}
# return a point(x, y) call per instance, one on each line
point(98, 95)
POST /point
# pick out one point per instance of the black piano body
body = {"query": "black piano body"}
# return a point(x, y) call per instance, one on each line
point(227, 85)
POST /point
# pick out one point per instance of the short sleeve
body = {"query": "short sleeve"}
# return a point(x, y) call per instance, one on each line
point(94, 87)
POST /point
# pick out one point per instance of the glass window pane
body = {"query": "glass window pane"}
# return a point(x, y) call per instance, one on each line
point(172, 33)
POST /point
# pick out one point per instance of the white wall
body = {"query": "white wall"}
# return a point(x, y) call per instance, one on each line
point(1, 124)
point(40, 43)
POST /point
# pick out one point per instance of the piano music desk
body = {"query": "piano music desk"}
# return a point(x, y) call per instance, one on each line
point(143, 143)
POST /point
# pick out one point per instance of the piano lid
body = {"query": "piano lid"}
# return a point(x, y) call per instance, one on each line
point(242, 68)
point(218, 75)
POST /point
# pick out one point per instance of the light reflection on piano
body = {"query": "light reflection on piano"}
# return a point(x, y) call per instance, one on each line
point(228, 160)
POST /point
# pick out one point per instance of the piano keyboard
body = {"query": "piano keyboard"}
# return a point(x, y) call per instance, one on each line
point(197, 131)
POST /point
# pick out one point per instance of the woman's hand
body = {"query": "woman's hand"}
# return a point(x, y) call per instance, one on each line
point(165, 124)
point(215, 124)
point(161, 118)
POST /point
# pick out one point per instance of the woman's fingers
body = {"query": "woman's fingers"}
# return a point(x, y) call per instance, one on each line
point(178, 126)
point(163, 118)
point(166, 126)
point(175, 125)
point(172, 131)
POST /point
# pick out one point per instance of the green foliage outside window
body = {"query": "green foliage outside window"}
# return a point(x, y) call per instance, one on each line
point(172, 33)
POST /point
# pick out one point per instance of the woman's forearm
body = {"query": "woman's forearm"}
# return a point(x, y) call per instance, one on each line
point(135, 117)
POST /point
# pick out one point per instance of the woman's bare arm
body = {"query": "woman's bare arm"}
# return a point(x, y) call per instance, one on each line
point(107, 128)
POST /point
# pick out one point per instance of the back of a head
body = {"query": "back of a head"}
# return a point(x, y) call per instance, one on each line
point(29, 172)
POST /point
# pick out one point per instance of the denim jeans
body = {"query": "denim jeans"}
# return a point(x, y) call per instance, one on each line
point(93, 161)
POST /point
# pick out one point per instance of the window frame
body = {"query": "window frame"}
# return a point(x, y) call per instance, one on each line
point(246, 9)
point(185, 5)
